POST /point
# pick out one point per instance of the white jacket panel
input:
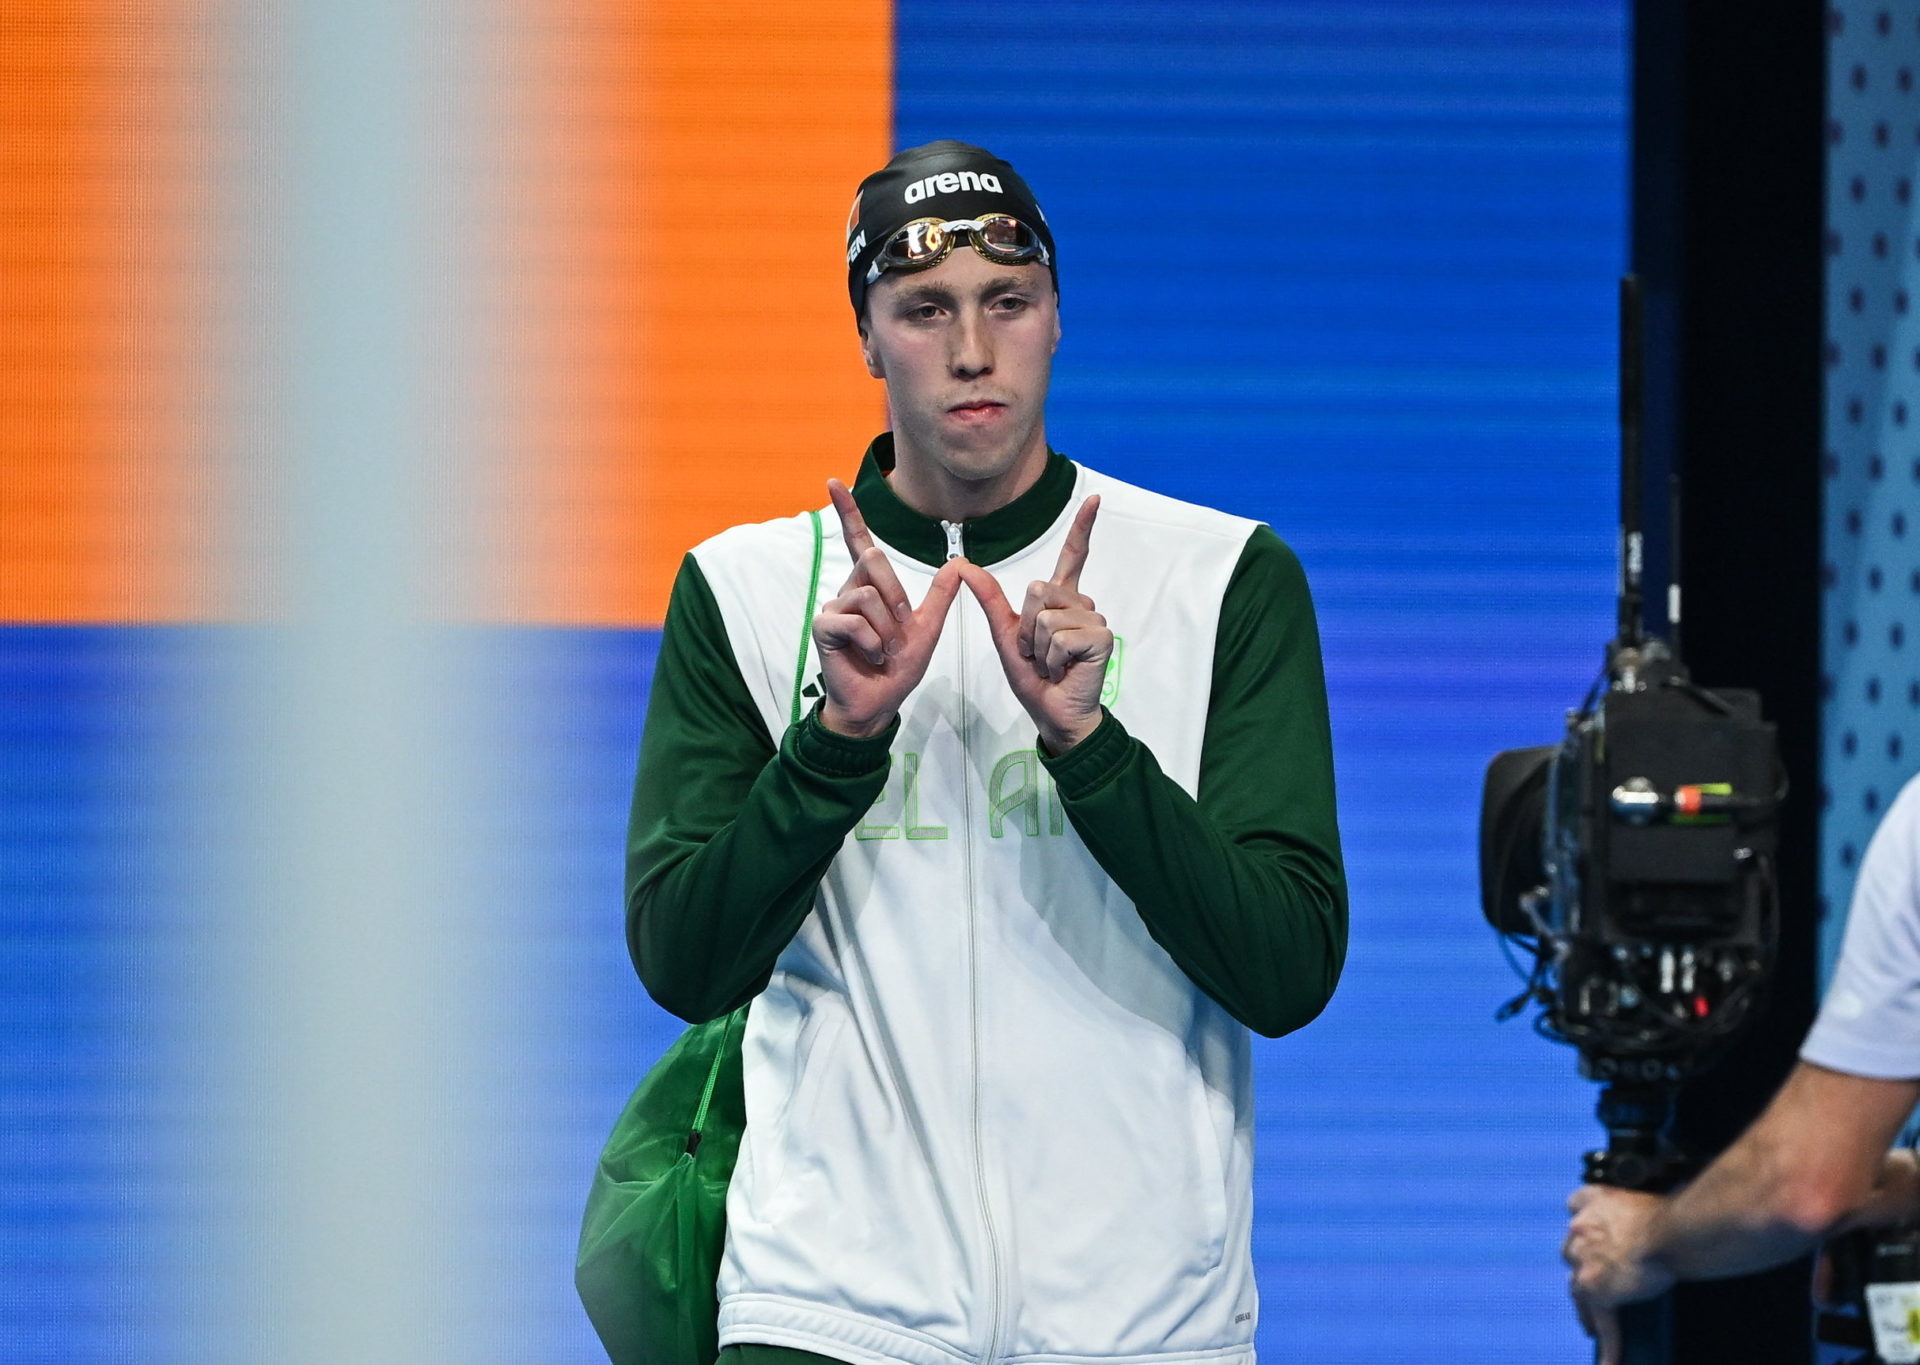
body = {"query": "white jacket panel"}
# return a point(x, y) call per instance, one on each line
point(989, 1119)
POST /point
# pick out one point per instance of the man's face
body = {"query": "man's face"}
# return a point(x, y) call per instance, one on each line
point(966, 349)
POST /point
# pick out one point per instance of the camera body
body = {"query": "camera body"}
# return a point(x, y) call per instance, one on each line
point(1660, 834)
point(1636, 861)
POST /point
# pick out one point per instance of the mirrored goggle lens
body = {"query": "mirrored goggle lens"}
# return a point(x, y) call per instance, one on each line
point(918, 243)
point(1007, 238)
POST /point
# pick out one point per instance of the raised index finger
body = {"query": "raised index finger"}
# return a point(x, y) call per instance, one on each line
point(1073, 555)
point(853, 526)
point(869, 561)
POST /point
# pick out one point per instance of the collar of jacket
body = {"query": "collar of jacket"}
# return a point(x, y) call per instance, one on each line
point(998, 535)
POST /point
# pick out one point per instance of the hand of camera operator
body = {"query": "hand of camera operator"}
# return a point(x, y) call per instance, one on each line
point(1814, 1165)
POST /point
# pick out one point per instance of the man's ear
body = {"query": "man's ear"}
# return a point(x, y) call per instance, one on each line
point(868, 353)
point(1054, 349)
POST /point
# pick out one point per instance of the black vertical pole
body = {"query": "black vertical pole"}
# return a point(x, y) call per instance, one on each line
point(1729, 110)
point(1656, 222)
point(1630, 628)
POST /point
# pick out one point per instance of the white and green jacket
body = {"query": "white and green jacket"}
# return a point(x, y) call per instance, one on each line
point(997, 1063)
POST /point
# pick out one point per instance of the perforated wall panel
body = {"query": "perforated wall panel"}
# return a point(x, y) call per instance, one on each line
point(1871, 625)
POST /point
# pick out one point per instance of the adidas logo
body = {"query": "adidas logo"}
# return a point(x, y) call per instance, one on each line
point(952, 182)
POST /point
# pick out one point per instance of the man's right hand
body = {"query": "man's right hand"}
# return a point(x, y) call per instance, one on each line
point(874, 647)
point(1608, 1244)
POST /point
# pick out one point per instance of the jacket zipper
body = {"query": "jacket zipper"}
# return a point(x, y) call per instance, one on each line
point(954, 551)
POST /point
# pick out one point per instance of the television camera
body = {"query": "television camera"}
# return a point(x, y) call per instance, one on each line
point(1634, 860)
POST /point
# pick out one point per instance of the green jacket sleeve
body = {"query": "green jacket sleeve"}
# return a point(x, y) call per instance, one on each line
point(729, 836)
point(1243, 887)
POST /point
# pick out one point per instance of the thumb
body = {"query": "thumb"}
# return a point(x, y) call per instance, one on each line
point(1607, 1339)
point(932, 613)
point(1002, 620)
point(1823, 1279)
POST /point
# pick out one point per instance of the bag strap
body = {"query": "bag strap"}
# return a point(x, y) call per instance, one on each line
point(799, 680)
point(713, 1079)
point(806, 618)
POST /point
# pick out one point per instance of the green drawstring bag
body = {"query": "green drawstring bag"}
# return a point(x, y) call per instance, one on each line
point(656, 1219)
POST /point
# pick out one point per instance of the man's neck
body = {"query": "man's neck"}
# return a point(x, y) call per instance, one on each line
point(925, 486)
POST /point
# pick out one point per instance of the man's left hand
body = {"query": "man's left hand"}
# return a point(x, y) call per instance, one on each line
point(1055, 649)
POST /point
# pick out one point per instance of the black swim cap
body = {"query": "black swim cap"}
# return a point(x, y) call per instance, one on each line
point(945, 180)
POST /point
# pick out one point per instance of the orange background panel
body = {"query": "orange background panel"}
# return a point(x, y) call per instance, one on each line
point(683, 355)
point(103, 185)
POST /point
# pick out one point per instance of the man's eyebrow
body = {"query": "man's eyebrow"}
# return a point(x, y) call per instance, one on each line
point(913, 295)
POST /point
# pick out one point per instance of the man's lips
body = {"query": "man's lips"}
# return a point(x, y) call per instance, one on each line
point(977, 410)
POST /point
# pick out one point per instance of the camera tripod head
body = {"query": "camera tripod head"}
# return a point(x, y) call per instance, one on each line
point(1639, 1155)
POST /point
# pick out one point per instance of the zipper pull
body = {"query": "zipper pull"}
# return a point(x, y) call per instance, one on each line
point(954, 549)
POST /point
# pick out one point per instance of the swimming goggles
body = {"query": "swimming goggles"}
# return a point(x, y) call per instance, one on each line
point(925, 242)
